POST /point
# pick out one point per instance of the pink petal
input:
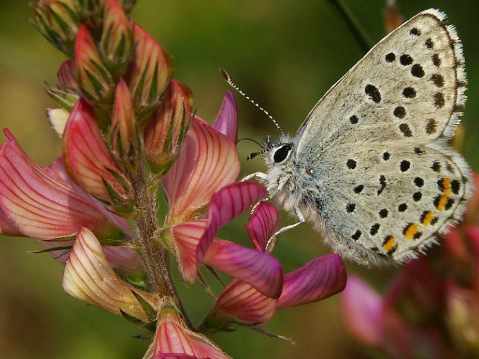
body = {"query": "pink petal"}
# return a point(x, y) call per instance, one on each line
point(208, 161)
point(86, 156)
point(227, 119)
point(174, 340)
point(89, 277)
point(259, 269)
point(57, 169)
point(39, 204)
point(225, 205)
point(186, 238)
point(362, 311)
point(316, 280)
point(262, 224)
point(245, 304)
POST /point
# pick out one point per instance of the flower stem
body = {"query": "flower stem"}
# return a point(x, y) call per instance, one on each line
point(154, 255)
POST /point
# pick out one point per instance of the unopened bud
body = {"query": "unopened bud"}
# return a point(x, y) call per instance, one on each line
point(116, 43)
point(392, 16)
point(166, 131)
point(149, 74)
point(94, 79)
point(57, 21)
point(123, 120)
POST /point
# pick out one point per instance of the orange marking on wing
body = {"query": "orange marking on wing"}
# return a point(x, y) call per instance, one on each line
point(410, 231)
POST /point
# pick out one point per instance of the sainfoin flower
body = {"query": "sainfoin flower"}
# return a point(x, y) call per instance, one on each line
point(202, 177)
point(241, 303)
point(129, 132)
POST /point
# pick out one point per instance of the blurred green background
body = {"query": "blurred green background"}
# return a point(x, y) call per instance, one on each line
point(285, 54)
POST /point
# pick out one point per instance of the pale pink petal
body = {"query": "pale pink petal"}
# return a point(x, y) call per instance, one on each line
point(123, 258)
point(174, 340)
point(39, 204)
point(186, 238)
point(226, 204)
point(9, 228)
point(87, 158)
point(89, 277)
point(316, 280)
point(227, 118)
point(362, 310)
point(259, 269)
point(245, 304)
point(208, 161)
point(262, 224)
point(57, 169)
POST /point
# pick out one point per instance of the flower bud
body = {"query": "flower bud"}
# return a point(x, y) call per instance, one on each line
point(94, 79)
point(89, 162)
point(57, 21)
point(123, 120)
point(149, 73)
point(166, 131)
point(116, 44)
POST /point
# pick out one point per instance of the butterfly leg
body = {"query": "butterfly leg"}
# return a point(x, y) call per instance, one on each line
point(258, 175)
point(274, 238)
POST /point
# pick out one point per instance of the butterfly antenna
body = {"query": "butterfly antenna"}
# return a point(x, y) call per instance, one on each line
point(233, 85)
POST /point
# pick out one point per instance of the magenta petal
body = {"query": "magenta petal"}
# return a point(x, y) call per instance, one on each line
point(262, 224)
point(362, 310)
point(244, 303)
point(225, 205)
point(227, 119)
point(40, 204)
point(316, 280)
point(259, 269)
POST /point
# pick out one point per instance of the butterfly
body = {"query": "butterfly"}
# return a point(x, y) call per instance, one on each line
point(371, 166)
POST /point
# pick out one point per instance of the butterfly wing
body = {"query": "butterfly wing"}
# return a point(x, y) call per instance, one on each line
point(409, 86)
point(391, 199)
point(387, 182)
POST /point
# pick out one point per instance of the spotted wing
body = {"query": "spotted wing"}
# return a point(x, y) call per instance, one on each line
point(409, 86)
point(390, 201)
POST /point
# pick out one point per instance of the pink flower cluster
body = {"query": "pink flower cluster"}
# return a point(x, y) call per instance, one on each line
point(128, 133)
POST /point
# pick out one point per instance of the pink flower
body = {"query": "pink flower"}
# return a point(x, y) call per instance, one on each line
point(203, 178)
point(44, 203)
point(318, 279)
point(174, 340)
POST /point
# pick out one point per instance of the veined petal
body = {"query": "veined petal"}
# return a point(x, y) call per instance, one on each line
point(245, 304)
point(225, 205)
point(208, 161)
point(40, 204)
point(316, 280)
point(174, 340)
point(186, 237)
point(86, 156)
point(8, 228)
point(227, 119)
point(362, 311)
point(57, 169)
point(262, 224)
point(259, 269)
point(89, 277)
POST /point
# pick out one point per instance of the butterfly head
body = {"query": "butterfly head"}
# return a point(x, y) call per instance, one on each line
point(278, 154)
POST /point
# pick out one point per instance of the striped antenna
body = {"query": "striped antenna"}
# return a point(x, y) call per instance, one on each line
point(233, 84)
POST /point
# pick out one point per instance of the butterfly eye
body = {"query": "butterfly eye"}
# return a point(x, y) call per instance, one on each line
point(282, 153)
